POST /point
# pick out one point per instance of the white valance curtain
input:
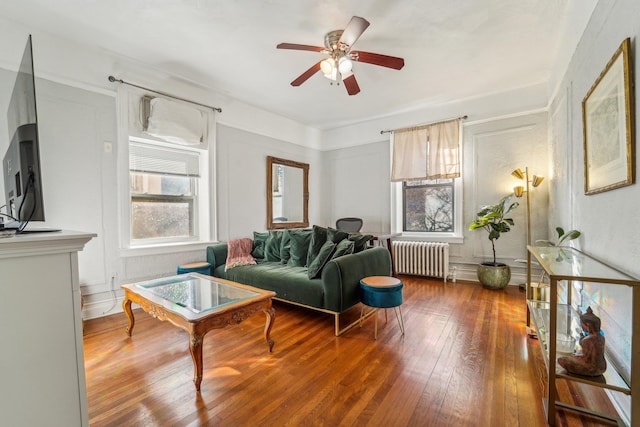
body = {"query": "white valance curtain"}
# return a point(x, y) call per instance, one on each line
point(174, 121)
point(427, 152)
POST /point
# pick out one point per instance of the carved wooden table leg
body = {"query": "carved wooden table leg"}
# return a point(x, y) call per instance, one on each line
point(195, 348)
point(271, 315)
point(126, 306)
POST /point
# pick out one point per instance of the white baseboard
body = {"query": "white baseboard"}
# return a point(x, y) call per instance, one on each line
point(105, 307)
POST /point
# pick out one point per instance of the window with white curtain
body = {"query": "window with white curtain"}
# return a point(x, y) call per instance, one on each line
point(166, 188)
point(426, 171)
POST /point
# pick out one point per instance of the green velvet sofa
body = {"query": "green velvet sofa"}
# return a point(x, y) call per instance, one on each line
point(335, 289)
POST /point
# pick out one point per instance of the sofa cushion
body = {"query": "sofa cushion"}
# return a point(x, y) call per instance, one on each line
point(336, 235)
point(259, 240)
point(318, 237)
point(360, 241)
point(272, 246)
point(289, 283)
point(299, 242)
point(239, 253)
point(345, 247)
point(285, 247)
point(324, 255)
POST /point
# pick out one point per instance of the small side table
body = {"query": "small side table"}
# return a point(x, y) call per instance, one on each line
point(195, 267)
point(382, 292)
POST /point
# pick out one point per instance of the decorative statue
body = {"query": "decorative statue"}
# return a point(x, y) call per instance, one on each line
point(590, 361)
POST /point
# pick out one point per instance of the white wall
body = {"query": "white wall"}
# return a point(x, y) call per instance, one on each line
point(356, 183)
point(492, 150)
point(609, 220)
point(612, 239)
point(242, 186)
point(359, 185)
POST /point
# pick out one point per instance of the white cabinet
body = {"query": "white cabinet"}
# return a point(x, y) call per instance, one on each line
point(41, 355)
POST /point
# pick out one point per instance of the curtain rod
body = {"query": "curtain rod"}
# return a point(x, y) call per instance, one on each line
point(113, 79)
point(432, 123)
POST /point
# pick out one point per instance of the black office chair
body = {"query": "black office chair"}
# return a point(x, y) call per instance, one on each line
point(349, 224)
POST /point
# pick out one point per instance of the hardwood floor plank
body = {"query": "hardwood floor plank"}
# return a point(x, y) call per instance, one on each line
point(465, 359)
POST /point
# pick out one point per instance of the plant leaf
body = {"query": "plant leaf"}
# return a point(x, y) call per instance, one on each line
point(570, 235)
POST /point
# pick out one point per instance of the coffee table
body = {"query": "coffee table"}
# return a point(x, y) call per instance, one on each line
point(197, 304)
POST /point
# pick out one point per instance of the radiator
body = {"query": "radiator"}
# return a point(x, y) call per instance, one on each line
point(421, 258)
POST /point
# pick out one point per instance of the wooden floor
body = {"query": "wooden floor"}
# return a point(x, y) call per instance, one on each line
point(465, 361)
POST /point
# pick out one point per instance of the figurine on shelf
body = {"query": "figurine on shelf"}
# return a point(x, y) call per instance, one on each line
point(591, 361)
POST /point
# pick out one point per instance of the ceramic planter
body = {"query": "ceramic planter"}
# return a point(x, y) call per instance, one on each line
point(494, 276)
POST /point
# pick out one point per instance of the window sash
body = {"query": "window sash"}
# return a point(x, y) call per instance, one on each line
point(154, 159)
point(190, 201)
point(448, 183)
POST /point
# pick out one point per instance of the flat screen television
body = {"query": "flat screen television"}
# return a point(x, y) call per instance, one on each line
point(21, 163)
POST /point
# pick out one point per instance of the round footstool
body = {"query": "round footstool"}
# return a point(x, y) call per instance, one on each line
point(195, 267)
point(382, 292)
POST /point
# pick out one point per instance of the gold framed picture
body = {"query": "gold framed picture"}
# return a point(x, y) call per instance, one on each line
point(607, 118)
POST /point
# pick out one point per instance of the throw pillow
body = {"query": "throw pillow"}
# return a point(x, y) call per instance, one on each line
point(318, 237)
point(239, 253)
point(324, 255)
point(336, 235)
point(345, 247)
point(360, 241)
point(285, 247)
point(299, 240)
point(259, 240)
point(272, 246)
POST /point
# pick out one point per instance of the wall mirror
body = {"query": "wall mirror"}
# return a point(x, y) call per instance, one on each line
point(287, 193)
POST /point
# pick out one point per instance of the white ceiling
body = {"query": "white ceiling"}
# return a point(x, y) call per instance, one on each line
point(453, 49)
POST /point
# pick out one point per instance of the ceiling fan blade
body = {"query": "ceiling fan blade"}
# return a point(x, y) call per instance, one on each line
point(294, 46)
point(305, 76)
point(354, 30)
point(351, 84)
point(378, 59)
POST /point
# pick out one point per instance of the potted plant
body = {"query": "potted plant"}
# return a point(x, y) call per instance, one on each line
point(493, 219)
point(562, 236)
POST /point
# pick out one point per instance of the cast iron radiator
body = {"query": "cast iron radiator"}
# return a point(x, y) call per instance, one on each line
point(421, 258)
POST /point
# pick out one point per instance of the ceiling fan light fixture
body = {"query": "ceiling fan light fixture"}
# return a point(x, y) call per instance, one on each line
point(337, 66)
point(344, 65)
point(327, 66)
point(332, 75)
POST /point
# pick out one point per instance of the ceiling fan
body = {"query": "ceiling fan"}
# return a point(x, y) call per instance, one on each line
point(338, 65)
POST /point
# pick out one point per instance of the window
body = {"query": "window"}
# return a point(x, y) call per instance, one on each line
point(164, 186)
point(428, 209)
point(428, 206)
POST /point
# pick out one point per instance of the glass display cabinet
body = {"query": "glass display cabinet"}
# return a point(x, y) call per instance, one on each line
point(574, 278)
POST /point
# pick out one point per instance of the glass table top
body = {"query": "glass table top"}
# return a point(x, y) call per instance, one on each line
point(196, 293)
point(569, 263)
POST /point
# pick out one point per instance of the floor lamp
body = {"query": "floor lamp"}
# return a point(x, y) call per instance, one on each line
point(535, 181)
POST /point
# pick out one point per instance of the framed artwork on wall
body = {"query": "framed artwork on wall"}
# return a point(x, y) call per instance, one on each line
point(607, 118)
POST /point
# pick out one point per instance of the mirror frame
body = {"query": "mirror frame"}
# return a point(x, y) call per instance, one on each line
point(305, 195)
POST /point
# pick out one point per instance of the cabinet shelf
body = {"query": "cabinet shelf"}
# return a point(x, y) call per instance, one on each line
point(540, 310)
point(564, 264)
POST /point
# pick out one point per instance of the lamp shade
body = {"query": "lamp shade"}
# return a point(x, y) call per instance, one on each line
point(518, 173)
point(537, 180)
point(518, 191)
point(344, 65)
point(327, 66)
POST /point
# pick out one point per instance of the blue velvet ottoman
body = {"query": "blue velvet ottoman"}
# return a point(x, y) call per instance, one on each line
point(382, 292)
point(195, 267)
